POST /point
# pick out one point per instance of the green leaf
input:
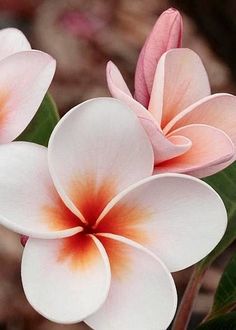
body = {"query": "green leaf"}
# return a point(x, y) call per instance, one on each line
point(224, 322)
point(43, 123)
point(225, 296)
point(225, 184)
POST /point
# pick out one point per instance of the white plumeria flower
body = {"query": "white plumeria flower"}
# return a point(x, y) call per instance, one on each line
point(104, 233)
point(25, 78)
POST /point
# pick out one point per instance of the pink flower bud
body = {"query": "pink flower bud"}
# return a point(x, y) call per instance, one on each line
point(166, 34)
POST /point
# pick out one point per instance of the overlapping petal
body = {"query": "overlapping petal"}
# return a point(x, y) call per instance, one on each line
point(119, 90)
point(25, 78)
point(142, 293)
point(12, 41)
point(210, 146)
point(180, 80)
point(66, 280)
point(217, 110)
point(166, 34)
point(115, 80)
point(163, 147)
point(178, 217)
point(212, 169)
point(98, 149)
point(29, 203)
point(166, 148)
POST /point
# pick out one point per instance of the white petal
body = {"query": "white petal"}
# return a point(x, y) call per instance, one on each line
point(12, 41)
point(66, 280)
point(24, 80)
point(210, 147)
point(29, 203)
point(96, 150)
point(178, 217)
point(142, 294)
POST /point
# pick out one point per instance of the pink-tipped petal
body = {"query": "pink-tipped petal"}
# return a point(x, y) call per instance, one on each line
point(218, 110)
point(210, 146)
point(178, 217)
point(29, 203)
point(166, 34)
point(65, 281)
point(24, 80)
point(180, 80)
point(119, 90)
point(213, 169)
point(96, 150)
point(142, 293)
point(115, 79)
point(164, 148)
point(12, 41)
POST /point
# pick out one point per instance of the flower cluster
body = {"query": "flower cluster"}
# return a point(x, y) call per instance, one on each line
point(105, 230)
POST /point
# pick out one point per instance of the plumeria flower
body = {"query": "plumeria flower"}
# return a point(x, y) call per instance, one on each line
point(103, 233)
point(190, 130)
point(25, 77)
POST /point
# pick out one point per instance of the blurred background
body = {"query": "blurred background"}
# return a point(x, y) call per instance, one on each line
point(83, 35)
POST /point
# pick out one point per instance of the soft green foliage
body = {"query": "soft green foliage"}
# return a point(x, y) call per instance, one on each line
point(225, 297)
point(225, 184)
point(225, 322)
point(43, 123)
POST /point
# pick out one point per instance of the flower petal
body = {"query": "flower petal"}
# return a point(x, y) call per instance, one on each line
point(201, 173)
point(29, 203)
point(25, 78)
point(218, 110)
point(119, 90)
point(142, 293)
point(65, 285)
point(210, 146)
point(178, 217)
point(163, 148)
point(12, 41)
point(166, 34)
point(180, 80)
point(115, 80)
point(98, 149)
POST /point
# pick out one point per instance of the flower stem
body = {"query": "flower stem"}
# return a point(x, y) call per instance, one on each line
point(186, 306)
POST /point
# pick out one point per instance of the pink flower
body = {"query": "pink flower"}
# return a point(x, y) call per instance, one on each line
point(25, 77)
point(104, 233)
point(190, 130)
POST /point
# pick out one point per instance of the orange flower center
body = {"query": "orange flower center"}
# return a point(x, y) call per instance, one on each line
point(90, 199)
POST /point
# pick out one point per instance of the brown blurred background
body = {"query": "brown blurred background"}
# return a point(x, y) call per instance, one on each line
point(83, 35)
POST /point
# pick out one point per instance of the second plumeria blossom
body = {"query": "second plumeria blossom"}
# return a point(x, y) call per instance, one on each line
point(25, 78)
point(104, 234)
point(190, 130)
